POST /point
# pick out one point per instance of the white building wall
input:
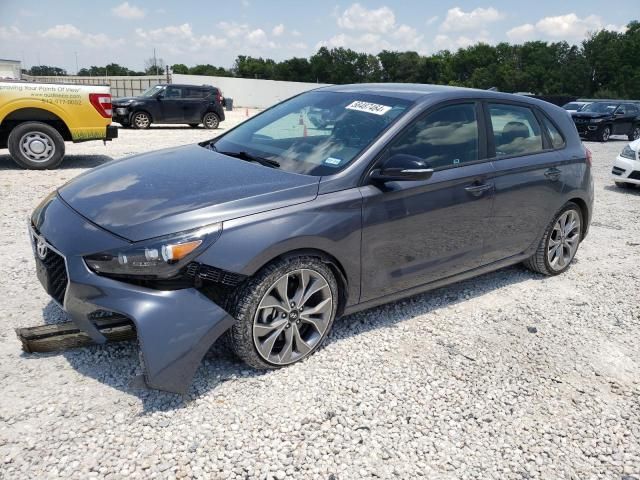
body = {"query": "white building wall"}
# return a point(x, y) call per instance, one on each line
point(10, 69)
point(247, 92)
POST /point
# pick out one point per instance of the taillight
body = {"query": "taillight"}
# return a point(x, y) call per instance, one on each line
point(102, 103)
point(589, 156)
point(219, 96)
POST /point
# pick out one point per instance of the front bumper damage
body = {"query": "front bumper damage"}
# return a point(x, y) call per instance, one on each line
point(175, 328)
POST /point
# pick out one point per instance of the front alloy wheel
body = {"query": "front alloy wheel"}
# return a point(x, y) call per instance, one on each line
point(141, 120)
point(292, 317)
point(605, 134)
point(284, 312)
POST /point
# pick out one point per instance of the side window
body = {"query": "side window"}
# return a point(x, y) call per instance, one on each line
point(557, 140)
point(194, 93)
point(515, 130)
point(173, 92)
point(446, 137)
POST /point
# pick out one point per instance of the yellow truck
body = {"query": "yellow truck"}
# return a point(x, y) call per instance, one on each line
point(37, 118)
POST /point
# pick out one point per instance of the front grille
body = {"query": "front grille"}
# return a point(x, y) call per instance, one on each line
point(635, 175)
point(57, 271)
point(212, 274)
point(617, 171)
point(580, 120)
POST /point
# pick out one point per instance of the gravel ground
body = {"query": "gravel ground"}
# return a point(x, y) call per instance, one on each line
point(510, 375)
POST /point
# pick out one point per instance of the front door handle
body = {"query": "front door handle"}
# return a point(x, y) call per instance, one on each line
point(477, 190)
point(553, 174)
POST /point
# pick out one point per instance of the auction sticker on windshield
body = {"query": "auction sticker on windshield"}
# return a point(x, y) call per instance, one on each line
point(367, 107)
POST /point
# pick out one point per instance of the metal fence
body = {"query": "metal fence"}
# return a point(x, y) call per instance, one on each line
point(121, 86)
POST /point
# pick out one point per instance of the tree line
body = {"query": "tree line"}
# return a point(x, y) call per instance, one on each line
point(606, 64)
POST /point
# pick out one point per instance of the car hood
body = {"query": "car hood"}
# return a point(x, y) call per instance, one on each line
point(176, 189)
point(589, 115)
point(125, 100)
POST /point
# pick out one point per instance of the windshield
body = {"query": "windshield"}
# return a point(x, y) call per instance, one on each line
point(152, 91)
point(600, 107)
point(316, 133)
point(572, 106)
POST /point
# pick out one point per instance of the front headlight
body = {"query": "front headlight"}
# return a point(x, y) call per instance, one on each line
point(596, 120)
point(628, 152)
point(157, 258)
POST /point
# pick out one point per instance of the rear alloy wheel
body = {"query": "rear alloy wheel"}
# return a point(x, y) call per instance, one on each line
point(635, 134)
point(141, 120)
point(284, 313)
point(36, 146)
point(210, 121)
point(605, 134)
point(560, 242)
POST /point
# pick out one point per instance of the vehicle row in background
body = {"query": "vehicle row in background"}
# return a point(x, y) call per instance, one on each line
point(599, 120)
point(37, 118)
point(171, 103)
point(576, 106)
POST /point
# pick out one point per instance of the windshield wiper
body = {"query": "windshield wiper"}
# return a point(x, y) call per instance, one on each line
point(267, 162)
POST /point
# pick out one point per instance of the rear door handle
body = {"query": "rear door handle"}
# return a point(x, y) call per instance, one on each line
point(553, 173)
point(477, 190)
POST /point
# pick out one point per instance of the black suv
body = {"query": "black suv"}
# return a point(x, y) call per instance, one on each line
point(600, 120)
point(190, 104)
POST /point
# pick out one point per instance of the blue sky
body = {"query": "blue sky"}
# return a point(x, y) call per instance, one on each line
point(216, 32)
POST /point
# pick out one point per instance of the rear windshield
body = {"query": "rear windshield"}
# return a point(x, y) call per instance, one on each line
point(316, 133)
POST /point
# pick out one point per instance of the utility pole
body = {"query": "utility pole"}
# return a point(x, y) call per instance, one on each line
point(76, 63)
point(155, 61)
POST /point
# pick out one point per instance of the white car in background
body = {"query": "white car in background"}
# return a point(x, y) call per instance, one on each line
point(573, 107)
point(626, 168)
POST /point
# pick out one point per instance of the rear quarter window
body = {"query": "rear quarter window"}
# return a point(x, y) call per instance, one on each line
point(557, 140)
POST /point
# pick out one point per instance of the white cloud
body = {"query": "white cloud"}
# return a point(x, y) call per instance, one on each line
point(432, 20)
point(70, 32)
point(373, 30)
point(278, 30)
point(445, 42)
point(62, 32)
point(124, 10)
point(568, 26)
point(11, 33)
point(458, 20)
point(357, 17)
point(521, 33)
point(177, 39)
point(562, 27)
point(296, 33)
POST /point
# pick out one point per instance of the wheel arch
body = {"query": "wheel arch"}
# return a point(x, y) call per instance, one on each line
point(32, 114)
point(332, 262)
point(584, 210)
point(141, 110)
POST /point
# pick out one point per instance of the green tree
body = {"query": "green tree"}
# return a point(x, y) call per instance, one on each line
point(180, 68)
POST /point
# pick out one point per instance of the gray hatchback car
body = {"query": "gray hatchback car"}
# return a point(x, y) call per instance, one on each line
point(272, 230)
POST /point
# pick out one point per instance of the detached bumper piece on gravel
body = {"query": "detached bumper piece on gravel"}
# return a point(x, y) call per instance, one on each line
point(63, 336)
point(174, 328)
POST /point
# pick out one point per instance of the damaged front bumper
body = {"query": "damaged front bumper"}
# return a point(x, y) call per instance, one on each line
point(175, 328)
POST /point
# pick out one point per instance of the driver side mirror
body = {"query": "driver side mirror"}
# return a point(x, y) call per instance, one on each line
point(402, 167)
point(160, 96)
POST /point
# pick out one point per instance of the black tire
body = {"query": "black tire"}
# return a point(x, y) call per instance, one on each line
point(141, 120)
point(244, 304)
point(210, 120)
point(539, 262)
point(635, 134)
point(26, 156)
point(604, 134)
point(194, 125)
